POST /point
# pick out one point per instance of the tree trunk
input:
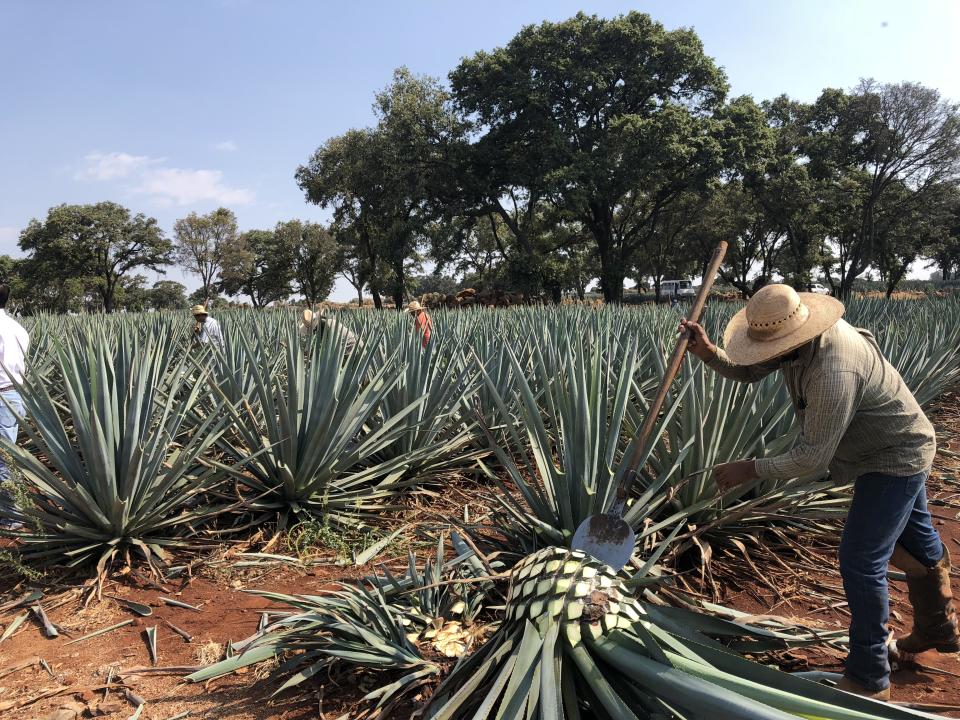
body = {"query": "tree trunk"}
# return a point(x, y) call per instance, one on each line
point(377, 302)
point(360, 297)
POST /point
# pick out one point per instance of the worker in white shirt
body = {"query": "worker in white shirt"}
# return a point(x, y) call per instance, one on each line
point(14, 341)
point(206, 330)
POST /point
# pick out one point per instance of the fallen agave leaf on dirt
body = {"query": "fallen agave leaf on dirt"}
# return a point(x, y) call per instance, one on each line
point(182, 633)
point(14, 624)
point(48, 627)
point(135, 607)
point(151, 633)
point(367, 555)
point(178, 603)
point(101, 631)
point(25, 600)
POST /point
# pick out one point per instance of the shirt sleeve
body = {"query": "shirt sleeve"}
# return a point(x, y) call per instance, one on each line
point(831, 400)
point(722, 365)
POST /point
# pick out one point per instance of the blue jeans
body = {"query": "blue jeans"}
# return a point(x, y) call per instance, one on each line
point(886, 510)
point(8, 429)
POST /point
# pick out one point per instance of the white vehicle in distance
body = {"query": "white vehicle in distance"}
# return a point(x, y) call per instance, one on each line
point(677, 289)
point(818, 289)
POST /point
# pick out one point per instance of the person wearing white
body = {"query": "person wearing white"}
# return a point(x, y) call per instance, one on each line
point(14, 341)
point(206, 330)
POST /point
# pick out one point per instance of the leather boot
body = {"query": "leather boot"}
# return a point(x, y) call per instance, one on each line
point(852, 686)
point(934, 617)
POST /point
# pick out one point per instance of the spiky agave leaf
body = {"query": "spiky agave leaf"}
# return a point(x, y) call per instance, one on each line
point(120, 470)
point(303, 441)
point(440, 379)
point(374, 624)
point(566, 445)
point(575, 644)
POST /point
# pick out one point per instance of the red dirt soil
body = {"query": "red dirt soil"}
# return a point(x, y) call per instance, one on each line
point(78, 672)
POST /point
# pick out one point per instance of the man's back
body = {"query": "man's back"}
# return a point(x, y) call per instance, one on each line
point(885, 431)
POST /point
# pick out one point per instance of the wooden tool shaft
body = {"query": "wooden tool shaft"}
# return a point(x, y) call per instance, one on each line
point(673, 367)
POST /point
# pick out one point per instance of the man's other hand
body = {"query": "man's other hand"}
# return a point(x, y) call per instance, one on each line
point(734, 474)
point(698, 342)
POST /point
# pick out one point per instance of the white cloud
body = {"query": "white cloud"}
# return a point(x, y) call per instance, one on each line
point(164, 185)
point(226, 146)
point(113, 165)
point(186, 187)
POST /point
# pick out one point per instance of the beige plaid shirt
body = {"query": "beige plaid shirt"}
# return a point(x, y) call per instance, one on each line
point(856, 414)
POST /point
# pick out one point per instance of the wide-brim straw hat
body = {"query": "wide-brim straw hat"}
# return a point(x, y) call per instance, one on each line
point(413, 306)
point(778, 320)
point(199, 310)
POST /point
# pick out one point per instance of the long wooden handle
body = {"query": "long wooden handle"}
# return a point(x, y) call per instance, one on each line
point(673, 367)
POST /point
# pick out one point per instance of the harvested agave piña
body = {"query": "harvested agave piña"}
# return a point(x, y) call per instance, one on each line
point(575, 644)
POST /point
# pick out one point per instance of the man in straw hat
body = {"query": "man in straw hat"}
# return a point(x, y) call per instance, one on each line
point(858, 418)
point(421, 320)
point(206, 330)
point(322, 321)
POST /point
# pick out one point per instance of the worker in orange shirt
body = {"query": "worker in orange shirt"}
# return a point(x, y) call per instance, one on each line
point(421, 320)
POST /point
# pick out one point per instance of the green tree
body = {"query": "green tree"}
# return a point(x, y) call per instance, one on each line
point(258, 264)
point(868, 146)
point(443, 284)
point(198, 244)
point(904, 236)
point(167, 295)
point(315, 257)
point(783, 188)
point(944, 252)
point(619, 111)
point(97, 245)
point(384, 182)
point(756, 241)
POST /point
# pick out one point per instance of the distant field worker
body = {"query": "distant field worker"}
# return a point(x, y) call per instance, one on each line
point(858, 418)
point(323, 321)
point(421, 320)
point(14, 341)
point(206, 330)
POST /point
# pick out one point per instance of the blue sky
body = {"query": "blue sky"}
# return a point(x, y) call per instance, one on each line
point(185, 105)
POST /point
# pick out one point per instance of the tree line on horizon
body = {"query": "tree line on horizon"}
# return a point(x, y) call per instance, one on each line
point(587, 148)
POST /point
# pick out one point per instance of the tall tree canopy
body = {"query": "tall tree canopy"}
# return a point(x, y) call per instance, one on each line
point(315, 259)
point(258, 264)
point(199, 241)
point(383, 182)
point(879, 151)
point(96, 245)
point(617, 114)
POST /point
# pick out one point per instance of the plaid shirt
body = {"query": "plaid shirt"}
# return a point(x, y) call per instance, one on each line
point(856, 414)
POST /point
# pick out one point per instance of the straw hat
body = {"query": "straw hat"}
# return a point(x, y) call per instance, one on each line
point(199, 310)
point(777, 320)
point(413, 306)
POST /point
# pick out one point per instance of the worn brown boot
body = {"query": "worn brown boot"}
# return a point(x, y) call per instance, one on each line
point(934, 617)
point(852, 686)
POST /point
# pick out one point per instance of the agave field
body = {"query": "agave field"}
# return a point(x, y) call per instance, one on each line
point(139, 454)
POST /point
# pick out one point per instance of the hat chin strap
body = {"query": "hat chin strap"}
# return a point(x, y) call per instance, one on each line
point(763, 331)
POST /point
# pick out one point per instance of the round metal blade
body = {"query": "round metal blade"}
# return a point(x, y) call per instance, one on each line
point(608, 538)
